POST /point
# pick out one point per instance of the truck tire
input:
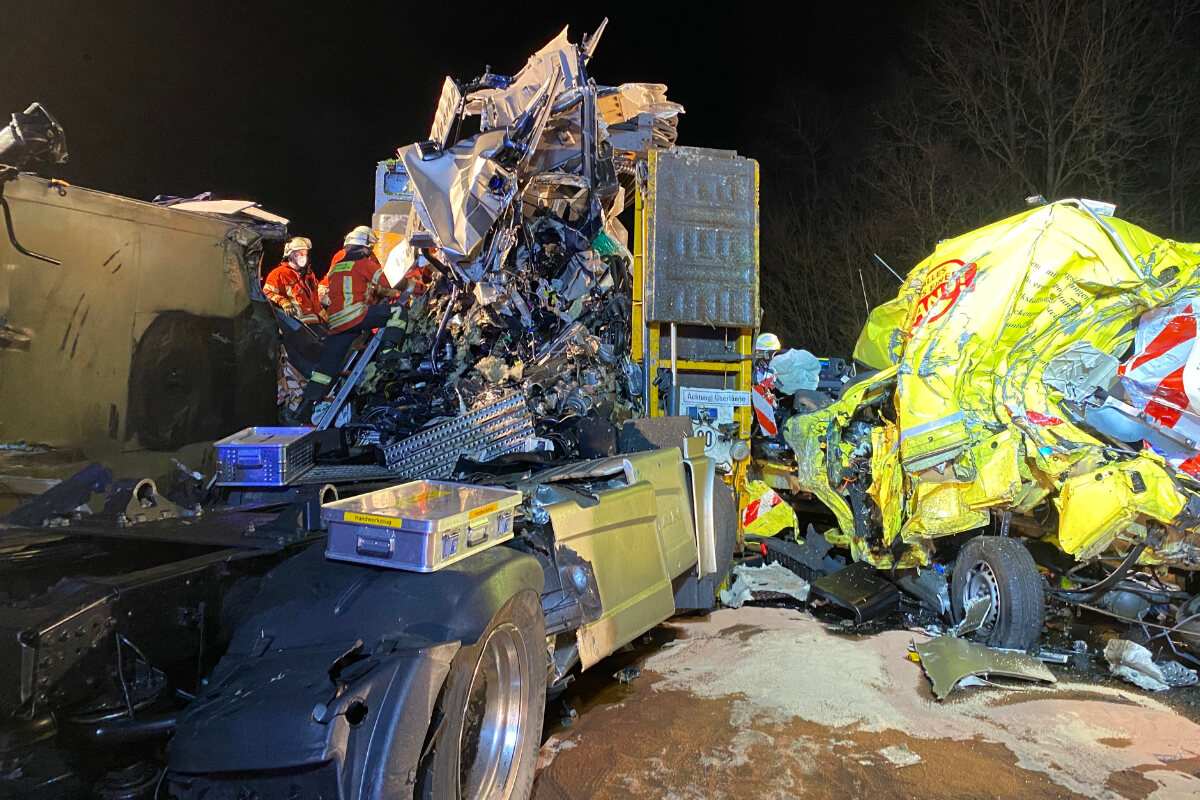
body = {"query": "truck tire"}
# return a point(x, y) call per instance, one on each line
point(1002, 569)
point(170, 383)
point(725, 522)
point(487, 725)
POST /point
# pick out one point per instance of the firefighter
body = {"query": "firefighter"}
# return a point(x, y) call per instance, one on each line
point(354, 291)
point(762, 394)
point(765, 348)
point(292, 285)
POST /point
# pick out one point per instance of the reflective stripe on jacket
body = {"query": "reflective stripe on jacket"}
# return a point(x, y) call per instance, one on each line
point(352, 285)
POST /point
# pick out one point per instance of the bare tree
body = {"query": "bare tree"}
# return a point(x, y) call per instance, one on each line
point(1092, 98)
point(1064, 94)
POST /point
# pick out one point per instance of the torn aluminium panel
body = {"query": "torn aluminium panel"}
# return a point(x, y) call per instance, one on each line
point(230, 208)
point(767, 582)
point(948, 660)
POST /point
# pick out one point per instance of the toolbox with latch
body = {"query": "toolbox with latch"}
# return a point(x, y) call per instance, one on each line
point(263, 456)
point(419, 526)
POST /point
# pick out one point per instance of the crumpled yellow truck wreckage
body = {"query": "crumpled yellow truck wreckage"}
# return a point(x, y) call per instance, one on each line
point(1007, 397)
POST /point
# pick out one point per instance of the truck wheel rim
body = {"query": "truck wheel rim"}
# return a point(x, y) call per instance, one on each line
point(981, 582)
point(493, 717)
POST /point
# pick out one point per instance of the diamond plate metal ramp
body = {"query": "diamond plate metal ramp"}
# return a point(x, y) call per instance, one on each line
point(702, 252)
point(485, 433)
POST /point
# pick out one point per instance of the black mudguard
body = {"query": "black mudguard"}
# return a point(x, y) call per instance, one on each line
point(330, 684)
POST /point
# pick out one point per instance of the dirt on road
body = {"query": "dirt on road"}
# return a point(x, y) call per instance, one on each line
point(768, 703)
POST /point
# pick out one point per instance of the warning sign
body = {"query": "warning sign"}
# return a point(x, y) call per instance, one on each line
point(716, 404)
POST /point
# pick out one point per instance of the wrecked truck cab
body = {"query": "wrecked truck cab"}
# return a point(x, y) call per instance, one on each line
point(1002, 363)
point(228, 639)
point(367, 683)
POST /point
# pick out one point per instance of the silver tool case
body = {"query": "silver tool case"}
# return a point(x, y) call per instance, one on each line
point(263, 456)
point(420, 526)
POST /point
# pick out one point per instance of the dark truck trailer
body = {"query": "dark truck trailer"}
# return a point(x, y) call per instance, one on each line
point(150, 338)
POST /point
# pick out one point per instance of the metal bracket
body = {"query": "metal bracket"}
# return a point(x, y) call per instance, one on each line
point(147, 505)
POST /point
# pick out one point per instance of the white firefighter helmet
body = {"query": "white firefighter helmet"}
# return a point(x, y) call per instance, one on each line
point(362, 236)
point(767, 343)
point(298, 243)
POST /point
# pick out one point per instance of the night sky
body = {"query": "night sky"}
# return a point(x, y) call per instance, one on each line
point(291, 104)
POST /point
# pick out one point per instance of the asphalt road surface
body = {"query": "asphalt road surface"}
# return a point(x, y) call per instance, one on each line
point(769, 703)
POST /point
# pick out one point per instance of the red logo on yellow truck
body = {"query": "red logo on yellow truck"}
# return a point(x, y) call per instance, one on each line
point(947, 281)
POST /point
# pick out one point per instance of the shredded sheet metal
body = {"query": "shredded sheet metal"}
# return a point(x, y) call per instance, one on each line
point(515, 267)
point(766, 513)
point(992, 356)
point(1132, 662)
point(770, 581)
point(1162, 379)
point(459, 201)
point(947, 660)
point(973, 616)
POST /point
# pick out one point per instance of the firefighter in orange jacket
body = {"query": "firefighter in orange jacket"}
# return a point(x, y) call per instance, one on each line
point(352, 293)
point(292, 286)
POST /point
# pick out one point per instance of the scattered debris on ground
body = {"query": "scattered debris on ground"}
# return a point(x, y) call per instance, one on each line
point(628, 674)
point(898, 755)
point(766, 582)
point(786, 709)
point(950, 662)
point(1132, 662)
point(950, 655)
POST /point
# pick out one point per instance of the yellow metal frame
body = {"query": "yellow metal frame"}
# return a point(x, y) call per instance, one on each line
point(651, 334)
point(742, 369)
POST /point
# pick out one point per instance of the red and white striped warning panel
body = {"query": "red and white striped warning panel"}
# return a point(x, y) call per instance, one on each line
point(1162, 377)
point(763, 401)
point(757, 508)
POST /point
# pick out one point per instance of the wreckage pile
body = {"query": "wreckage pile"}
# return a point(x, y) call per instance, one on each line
point(1034, 365)
point(529, 273)
point(1030, 432)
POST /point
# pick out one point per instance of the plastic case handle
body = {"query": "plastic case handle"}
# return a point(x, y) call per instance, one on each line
point(249, 459)
point(368, 546)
